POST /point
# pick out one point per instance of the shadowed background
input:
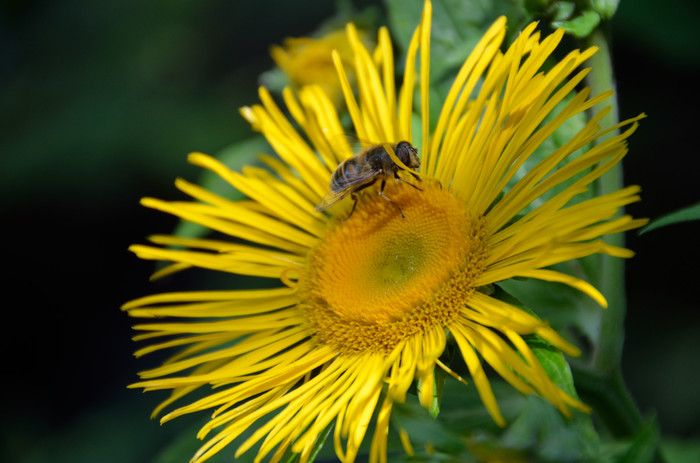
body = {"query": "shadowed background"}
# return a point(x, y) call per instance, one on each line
point(101, 104)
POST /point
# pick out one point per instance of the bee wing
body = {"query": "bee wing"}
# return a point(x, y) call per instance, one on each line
point(330, 199)
point(353, 142)
point(358, 179)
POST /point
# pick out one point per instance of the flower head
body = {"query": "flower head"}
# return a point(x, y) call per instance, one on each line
point(366, 305)
point(307, 61)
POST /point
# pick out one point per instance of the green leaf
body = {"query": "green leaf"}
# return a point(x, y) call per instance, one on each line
point(534, 7)
point(607, 394)
point(537, 431)
point(644, 446)
point(548, 436)
point(424, 430)
point(605, 8)
point(582, 25)
point(558, 11)
point(553, 362)
point(674, 450)
point(290, 456)
point(404, 16)
point(318, 445)
point(687, 214)
point(463, 411)
point(457, 26)
point(541, 428)
point(563, 11)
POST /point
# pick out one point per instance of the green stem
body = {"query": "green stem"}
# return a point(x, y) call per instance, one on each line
point(609, 397)
point(611, 279)
point(601, 383)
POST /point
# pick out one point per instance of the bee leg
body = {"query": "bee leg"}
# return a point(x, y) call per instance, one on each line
point(381, 193)
point(354, 196)
point(396, 176)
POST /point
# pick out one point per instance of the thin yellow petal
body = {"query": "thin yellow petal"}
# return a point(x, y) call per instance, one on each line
point(477, 373)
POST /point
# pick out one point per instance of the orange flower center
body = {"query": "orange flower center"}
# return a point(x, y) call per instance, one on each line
point(378, 277)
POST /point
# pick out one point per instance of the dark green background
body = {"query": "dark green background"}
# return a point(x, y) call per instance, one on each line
point(100, 103)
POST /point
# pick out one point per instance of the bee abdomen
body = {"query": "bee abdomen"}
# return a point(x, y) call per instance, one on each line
point(342, 176)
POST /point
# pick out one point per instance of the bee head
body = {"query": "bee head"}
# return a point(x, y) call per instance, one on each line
point(408, 155)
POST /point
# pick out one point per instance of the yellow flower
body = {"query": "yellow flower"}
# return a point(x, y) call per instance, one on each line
point(307, 61)
point(365, 305)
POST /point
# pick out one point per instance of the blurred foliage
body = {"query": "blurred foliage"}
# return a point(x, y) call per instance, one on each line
point(96, 96)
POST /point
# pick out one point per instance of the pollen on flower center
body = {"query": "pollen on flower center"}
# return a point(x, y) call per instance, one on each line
point(373, 277)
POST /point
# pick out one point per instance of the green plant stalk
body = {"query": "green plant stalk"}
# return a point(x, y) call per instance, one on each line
point(601, 382)
point(609, 397)
point(611, 282)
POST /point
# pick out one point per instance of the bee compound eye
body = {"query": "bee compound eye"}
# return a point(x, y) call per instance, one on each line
point(403, 151)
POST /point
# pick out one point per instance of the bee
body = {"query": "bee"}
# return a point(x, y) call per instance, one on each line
point(363, 170)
